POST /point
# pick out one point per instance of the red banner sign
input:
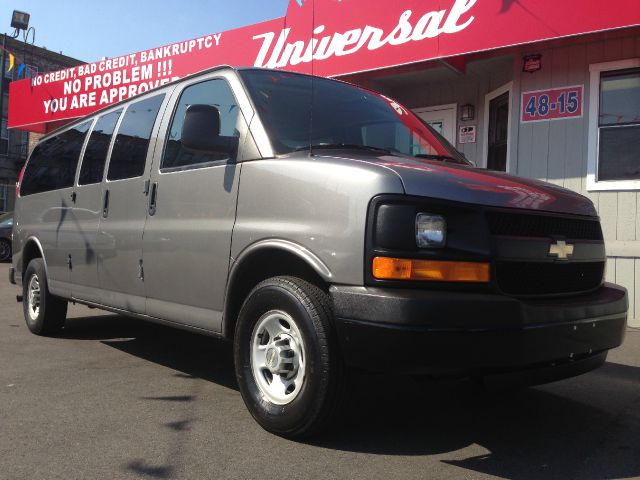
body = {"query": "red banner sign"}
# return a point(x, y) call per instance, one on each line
point(326, 37)
point(555, 104)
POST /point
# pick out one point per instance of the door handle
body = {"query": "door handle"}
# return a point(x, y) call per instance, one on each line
point(105, 205)
point(152, 198)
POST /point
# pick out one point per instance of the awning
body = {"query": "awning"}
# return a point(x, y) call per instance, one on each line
point(324, 37)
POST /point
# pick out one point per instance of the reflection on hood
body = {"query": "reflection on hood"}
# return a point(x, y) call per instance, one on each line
point(472, 185)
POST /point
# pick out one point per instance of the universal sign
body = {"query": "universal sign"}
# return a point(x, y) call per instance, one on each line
point(279, 54)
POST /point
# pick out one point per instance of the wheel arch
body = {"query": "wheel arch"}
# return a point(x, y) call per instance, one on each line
point(266, 259)
point(32, 249)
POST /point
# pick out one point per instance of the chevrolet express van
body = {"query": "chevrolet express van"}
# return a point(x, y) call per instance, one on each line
point(321, 228)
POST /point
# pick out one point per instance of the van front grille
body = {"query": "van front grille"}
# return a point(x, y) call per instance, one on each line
point(525, 225)
point(545, 278)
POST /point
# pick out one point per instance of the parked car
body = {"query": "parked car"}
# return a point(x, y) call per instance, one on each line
point(318, 226)
point(6, 227)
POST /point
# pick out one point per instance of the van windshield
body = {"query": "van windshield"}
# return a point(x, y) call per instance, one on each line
point(343, 116)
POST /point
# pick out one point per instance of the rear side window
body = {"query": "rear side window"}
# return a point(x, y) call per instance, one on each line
point(95, 155)
point(129, 153)
point(212, 92)
point(53, 163)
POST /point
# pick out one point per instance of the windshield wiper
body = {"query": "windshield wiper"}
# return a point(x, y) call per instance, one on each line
point(442, 158)
point(346, 146)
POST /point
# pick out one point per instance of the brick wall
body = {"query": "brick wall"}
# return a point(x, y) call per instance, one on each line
point(43, 60)
point(34, 138)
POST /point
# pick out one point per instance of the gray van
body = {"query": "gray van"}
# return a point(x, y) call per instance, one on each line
point(321, 228)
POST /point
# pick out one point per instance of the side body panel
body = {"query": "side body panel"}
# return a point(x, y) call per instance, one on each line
point(59, 225)
point(187, 243)
point(319, 204)
point(119, 237)
point(86, 218)
point(187, 240)
point(119, 245)
point(43, 216)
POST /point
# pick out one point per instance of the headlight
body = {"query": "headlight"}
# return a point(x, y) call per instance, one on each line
point(431, 231)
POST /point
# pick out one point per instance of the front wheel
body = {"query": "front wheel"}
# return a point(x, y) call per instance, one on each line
point(288, 366)
point(44, 313)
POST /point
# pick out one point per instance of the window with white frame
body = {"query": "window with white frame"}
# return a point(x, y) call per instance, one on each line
point(614, 126)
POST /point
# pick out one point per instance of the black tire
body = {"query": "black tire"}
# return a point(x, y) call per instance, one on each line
point(5, 250)
point(320, 395)
point(52, 310)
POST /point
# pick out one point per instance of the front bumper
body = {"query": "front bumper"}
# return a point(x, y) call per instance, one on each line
point(457, 333)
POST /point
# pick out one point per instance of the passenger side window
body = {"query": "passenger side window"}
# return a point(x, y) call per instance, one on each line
point(129, 153)
point(619, 125)
point(95, 155)
point(53, 163)
point(212, 92)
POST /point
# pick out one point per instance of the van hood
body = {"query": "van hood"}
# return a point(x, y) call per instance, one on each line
point(467, 184)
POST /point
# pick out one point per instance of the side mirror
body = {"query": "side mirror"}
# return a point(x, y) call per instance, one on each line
point(201, 131)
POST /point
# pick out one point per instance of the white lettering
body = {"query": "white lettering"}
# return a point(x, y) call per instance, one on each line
point(323, 49)
point(459, 8)
point(430, 25)
point(346, 39)
point(273, 63)
point(292, 54)
point(402, 33)
point(147, 72)
point(264, 49)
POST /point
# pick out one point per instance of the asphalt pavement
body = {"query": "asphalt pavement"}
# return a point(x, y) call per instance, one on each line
point(113, 397)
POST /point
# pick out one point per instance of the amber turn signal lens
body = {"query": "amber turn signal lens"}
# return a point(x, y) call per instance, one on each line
point(385, 268)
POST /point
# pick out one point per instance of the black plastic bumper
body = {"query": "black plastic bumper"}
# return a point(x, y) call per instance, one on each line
point(452, 333)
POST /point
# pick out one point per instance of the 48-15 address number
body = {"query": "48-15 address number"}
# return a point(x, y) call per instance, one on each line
point(542, 106)
point(552, 104)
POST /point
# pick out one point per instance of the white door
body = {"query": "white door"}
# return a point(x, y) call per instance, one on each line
point(442, 118)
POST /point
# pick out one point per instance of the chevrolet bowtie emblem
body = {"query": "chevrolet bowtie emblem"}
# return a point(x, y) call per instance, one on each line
point(561, 249)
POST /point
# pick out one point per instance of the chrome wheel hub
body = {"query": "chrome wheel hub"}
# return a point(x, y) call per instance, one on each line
point(278, 357)
point(33, 298)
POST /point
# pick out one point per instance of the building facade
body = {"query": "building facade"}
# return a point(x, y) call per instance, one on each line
point(16, 144)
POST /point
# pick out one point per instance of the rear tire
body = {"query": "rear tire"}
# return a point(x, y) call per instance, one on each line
point(44, 313)
point(5, 250)
point(288, 366)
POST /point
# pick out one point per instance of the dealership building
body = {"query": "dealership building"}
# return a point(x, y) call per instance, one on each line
point(540, 89)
